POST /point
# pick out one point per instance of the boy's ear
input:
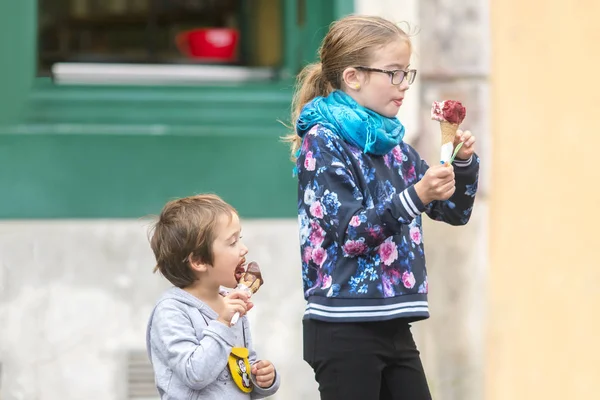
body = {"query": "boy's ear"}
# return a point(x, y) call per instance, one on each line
point(196, 264)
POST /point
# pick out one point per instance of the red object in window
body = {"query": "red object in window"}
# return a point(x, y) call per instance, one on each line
point(209, 44)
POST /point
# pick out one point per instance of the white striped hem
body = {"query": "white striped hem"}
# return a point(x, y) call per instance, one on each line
point(462, 164)
point(367, 311)
point(408, 204)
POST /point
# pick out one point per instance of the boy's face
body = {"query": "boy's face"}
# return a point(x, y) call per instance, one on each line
point(228, 252)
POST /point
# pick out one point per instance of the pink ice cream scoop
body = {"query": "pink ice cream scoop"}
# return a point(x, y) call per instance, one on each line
point(451, 111)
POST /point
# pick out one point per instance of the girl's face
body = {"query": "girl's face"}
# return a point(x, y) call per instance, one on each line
point(375, 89)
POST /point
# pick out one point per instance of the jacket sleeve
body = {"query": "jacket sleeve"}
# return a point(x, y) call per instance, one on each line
point(331, 206)
point(457, 209)
point(258, 392)
point(197, 363)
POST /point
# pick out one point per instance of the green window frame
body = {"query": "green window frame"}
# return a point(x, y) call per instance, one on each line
point(81, 151)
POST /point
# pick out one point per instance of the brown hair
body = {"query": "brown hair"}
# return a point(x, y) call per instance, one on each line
point(350, 42)
point(186, 230)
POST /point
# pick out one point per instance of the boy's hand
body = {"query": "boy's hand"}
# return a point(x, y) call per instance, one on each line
point(437, 184)
point(264, 372)
point(224, 292)
point(236, 301)
point(468, 147)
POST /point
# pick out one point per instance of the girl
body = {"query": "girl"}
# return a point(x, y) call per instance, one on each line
point(361, 191)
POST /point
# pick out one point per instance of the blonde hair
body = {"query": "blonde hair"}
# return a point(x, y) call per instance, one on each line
point(185, 230)
point(350, 42)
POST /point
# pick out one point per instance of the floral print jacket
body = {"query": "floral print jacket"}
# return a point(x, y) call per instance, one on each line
point(360, 228)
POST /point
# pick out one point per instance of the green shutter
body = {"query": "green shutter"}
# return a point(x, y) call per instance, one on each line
point(307, 22)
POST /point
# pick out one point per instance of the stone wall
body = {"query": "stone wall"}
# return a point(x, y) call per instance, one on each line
point(451, 53)
point(454, 64)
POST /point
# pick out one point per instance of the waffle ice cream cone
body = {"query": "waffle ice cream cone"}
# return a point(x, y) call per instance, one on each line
point(450, 114)
point(448, 132)
point(448, 135)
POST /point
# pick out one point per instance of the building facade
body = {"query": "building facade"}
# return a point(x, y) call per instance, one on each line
point(83, 164)
point(88, 155)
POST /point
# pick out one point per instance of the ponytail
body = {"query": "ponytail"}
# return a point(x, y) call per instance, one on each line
point(310, 83)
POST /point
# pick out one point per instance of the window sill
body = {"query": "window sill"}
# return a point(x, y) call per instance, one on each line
point(157, 74)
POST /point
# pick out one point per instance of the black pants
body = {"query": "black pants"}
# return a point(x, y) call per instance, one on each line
point(365, 361)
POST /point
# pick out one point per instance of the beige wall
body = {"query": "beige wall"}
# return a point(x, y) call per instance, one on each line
point(544, 290)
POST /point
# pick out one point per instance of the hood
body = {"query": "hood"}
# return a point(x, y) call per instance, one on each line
point(183, 297)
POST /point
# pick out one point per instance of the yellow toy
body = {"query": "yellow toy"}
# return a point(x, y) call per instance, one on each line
point(239, 366)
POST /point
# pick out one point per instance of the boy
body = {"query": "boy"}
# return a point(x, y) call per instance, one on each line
point(194, 350)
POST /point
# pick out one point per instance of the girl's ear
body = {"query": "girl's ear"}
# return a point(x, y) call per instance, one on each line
point(352, 78)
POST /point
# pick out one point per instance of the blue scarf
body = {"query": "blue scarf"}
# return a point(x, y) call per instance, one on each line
point(357, 125)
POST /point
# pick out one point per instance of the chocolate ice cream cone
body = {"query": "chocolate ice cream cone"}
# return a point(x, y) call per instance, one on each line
point(251, 280)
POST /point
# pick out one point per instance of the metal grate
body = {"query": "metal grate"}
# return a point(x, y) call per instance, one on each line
point(140, 377)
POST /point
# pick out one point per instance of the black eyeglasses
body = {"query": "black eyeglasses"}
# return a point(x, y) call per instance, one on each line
point(396, 75)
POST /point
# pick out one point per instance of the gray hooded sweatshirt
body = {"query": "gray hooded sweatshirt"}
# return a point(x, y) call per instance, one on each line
point(189, 349)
